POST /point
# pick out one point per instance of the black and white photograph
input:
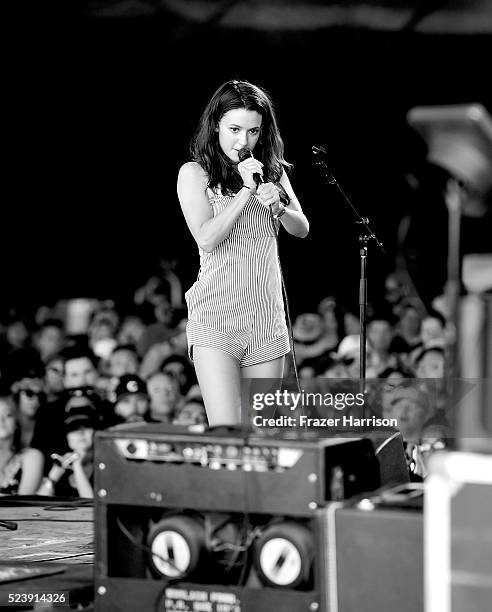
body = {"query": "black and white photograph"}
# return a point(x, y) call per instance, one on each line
point(246, 307)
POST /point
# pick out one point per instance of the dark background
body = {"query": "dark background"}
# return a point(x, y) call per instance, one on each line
point(101, 119)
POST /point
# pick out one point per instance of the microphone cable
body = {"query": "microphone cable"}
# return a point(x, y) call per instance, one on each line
point(276, 229)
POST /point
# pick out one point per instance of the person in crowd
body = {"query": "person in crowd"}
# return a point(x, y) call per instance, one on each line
point(79, 379)
point(166, 281)
point(435, 436)
point(101, 332)
point(53, 378)
point(161, 329)
point(80, 369)
point(434, 333)
point(123, 360)
point(348, 353)
point(332, 314)
point(179, 341)
point(72, 473)
point(132, 400)
point(28, 393)
point(351, 323)
point(430, 363)
point(17, 333)
point(395, 292)
point(191, 413)
point(102, 339)
point(165, 397)
point(433, 330)
point(430, 369)
point(21, 469)
point(233, 207)
point(156, 290)
point(146, 293)
point(314, 342)
point(155, 356)
point(379, 338)
point(131, 330)
point(407, 329)
point(181, 368)
point(410, 406)
point(385, 385)
point(105, 314)
point(50, 339)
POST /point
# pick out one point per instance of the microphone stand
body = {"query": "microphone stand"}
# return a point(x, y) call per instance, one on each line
point(365, 237)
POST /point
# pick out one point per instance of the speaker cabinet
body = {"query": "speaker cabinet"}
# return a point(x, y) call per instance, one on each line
point(219, 521)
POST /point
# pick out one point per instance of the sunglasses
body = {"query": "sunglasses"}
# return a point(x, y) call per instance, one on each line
point(392, 386)
point(30, 393)
point(58, 371)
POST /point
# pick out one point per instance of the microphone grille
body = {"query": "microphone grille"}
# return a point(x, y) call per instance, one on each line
point(244, 153)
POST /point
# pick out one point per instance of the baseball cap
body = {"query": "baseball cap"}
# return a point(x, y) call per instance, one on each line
point(129, 384)
point(78, 417)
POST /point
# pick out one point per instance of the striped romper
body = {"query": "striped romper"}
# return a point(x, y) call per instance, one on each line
point(236, 304)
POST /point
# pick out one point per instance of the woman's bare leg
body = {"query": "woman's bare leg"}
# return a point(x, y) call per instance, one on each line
point(219, 379)
point(254, 388)
point(268, 369)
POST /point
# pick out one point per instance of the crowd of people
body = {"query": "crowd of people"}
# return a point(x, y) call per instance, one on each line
point(408, 354)
point(58, 387)
point(80, 366)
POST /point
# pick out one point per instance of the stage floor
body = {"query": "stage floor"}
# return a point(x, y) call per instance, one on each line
point(51, 551)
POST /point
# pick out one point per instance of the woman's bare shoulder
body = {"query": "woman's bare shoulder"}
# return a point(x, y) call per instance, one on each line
point(192, 171)
point(31, 454)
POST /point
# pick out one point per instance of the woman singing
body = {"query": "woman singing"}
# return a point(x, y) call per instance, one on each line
point(236, 322)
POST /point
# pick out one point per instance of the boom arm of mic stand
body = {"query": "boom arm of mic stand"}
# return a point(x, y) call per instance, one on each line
point(320, 153)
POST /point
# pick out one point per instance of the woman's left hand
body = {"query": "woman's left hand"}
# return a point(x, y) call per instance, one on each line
point(66, 460)
point(268, 195)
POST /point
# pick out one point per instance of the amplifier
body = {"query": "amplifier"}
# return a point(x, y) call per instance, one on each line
point(373, 557)
point(158, 465)
point(218, 521)
point(473, 412)
point(458, 535)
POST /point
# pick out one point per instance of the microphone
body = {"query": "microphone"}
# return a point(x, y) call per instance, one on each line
point(245, 153)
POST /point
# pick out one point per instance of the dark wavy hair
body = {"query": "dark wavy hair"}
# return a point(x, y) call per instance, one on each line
point(205, 148)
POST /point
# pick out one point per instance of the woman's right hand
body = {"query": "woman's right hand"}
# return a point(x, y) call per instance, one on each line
point(247, 168)
point(63, 462)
